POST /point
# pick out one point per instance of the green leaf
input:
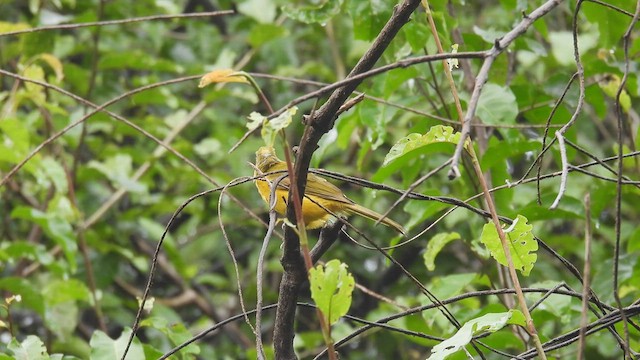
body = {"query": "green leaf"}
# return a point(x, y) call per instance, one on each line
point(283, 120)
point(610, 86)
point(419, 211)
point(61, 308)
point(104, 348)
point(263, 33)
point(569, 208)
point(35, 92)
point(417, 35)
point(31, 348)
point(57, 228)
point(331, 289)
point(556, 304)
point(11, 26)
point(60, 291)
point(31, 294)
point(118, 169)
point(137, 59)
point(436, 134)
point(62, 318)
point(255, 119)
point(179, 334)
point(369, 17)
point(152, 353)
point(314, 13)
point(488, 323)
point(522, 245)
point(633, 243)
point(394, 79)
point(16, 250)
point(270, 128)
point(36, 43)
point(609, 22)
point(14, 140)
point(497, 105)
point(499, 152)
point(54, 63)
point(562, 45)
point(55, 172)
point(444, 287)
point(489, 35)
point(435, 245)
point(209, 147)
point(263, 11)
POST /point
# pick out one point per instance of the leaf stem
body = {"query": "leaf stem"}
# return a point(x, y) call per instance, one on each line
point(487, 195)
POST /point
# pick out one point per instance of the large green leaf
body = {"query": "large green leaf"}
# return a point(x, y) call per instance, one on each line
point(435, 245)
point(331, 288)
point(105, 348)
point(497, 105)
point(488, 323)
point(30, 348)
point(522, 246)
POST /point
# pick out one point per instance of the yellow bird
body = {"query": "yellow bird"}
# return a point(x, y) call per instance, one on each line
point(318, 191)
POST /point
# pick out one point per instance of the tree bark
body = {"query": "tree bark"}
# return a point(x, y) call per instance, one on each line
point(318, 124)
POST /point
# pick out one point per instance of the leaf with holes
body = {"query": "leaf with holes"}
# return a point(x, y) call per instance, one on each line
point(522, 245)
point(331, 289)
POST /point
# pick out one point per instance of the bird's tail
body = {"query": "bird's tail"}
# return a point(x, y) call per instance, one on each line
point(370, 214)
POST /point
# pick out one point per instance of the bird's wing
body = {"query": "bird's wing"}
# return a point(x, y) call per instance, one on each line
point(320, 187)
point(316, 186)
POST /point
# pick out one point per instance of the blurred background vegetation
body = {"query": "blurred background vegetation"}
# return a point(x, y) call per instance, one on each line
point(80, 220)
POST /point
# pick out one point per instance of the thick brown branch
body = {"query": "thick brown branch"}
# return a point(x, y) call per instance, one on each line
point(319, 123)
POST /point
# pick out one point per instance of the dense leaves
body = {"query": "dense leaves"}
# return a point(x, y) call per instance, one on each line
point(86, 195)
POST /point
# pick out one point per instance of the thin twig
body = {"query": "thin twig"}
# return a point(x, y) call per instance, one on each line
point(538, 160)
point(118, 22)
point(157, 153)
point(560, 133)
point(154, 262)
point(586, 276)
point(565, 169)
point(410, 109)
point(356, 78)
point(412, 187)
point(263, 250)
point(612, 7)
point(466, 120)
point(370, 325)
point(483, 74)
point(100, 108)
point(618, 212)
point(317, 125)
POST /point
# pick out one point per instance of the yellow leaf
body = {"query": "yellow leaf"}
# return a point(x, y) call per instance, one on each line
point(222, 76)
point(54, 63)
point(610, 85)
point(34, 72)
point(6, 27)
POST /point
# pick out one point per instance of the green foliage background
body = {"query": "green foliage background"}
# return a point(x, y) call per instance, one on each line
point(61, 252)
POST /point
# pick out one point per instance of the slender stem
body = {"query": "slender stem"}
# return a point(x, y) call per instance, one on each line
point(483, 183)
point(319, 123)
point(586, 274)
point(505, 246)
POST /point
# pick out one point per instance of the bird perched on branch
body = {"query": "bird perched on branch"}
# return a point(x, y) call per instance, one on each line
point(320, 195)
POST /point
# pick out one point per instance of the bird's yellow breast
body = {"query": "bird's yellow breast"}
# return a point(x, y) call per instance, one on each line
point(322, 200)
point(314, 215)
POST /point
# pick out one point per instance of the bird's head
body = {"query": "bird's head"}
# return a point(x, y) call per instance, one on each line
point(266, 158)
